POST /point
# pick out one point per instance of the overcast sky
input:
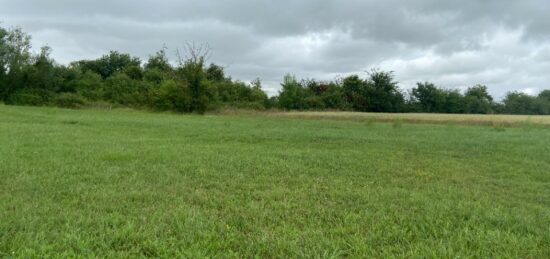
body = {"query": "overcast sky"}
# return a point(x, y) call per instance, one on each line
point(504, 44)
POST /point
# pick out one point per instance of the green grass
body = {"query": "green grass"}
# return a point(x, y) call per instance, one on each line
point(135, 184)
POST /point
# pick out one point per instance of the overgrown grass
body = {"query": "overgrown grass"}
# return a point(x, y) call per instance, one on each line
point(432, 118)
point(130, 184)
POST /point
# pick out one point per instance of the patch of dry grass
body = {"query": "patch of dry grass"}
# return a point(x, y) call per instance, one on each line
point(466, 119)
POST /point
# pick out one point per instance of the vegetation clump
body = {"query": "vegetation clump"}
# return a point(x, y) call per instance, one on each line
point(192, 85)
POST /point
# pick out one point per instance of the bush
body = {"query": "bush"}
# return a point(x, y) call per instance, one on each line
point(89, 85)
point(69, 100)
point(118, 88)
point(258, 106)
point(171, 95)
point(32, 97)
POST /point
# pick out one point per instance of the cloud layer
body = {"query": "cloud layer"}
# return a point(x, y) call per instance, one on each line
point(504, 44)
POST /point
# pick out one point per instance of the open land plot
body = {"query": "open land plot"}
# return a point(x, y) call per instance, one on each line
point(128, 184)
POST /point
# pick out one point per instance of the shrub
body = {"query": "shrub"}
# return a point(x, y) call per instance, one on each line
point(171, 95)
point(89, 85)
point(249, 105)
point(69, 100)
point(32, 97)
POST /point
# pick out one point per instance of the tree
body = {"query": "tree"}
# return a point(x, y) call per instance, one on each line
point(43, 72)
point(3, 57)
point(520, 103)
point(158, 68)
point(383, 94)
point(15, 46)
point(355, 91)
point(543, 100)
point(544, 95)
point(215, 73)
point(454, 102)
point(171, 95)
point(121, 89)
point(333, 96)
point(110, 64)
point(89, 85)
point(159, 61)
point(192, 70)
point(257, 94)
point(292, 95)
point(36, 83)
point(477, 100)
point(428, 97)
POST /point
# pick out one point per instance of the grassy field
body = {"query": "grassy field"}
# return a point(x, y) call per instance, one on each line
point(131, 184)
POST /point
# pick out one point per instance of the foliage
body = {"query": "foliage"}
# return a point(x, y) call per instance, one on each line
point(15, 56)
point(3, 57)
point(521, 103)
point(193, 72)
point(292, 94)
point(69, 100)
point(171, 96)
point(159, 62)
point(355, 91)
point(89, 85)
point(429, 97)
point(110, 64)
point(29, 96)
point(383, 94)
point(477, 100)
point(192, 86)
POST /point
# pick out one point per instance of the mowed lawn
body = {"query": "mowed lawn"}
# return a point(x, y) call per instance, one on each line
point(135, 184)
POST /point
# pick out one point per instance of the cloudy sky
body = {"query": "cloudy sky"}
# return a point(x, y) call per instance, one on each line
point(504, 44)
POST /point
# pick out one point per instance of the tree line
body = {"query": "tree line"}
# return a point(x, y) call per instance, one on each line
point(120, 79)
point(192, 85)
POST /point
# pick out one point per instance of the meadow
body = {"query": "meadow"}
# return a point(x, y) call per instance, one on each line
point(122, 183)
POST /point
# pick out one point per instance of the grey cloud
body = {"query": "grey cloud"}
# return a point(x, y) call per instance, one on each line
point(501, 43)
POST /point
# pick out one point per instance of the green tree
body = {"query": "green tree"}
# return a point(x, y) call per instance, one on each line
point(428, 97)
point(158, 68)
point(478, 100)
point(544, 95)
point(3, 58)
point(454, 101)
point(333, 96)
point(215, 73)
point(257, 94)
point(15, 55)
point(43, 74)
point(110, 64)
point(355, 92)
point(193, 72)
point(121, 89)
point(171, 95)
point(383, 94)
point(159, 61)
point(37, 82)
point(89, 85)
point(292, 95)
point(520, 103)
